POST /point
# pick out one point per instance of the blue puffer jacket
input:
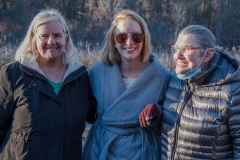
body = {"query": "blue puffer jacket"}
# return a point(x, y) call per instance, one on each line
point(201, 116)
point(37, 124)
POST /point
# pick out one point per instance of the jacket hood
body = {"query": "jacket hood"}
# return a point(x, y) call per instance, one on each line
point(223, 69)
point(73, 65)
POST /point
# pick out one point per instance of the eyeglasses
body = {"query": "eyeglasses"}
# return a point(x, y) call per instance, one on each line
point(187, 50)
point(122, 37)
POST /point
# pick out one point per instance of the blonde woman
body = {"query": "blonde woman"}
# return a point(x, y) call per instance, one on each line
point(45, 95)
point(127, 79)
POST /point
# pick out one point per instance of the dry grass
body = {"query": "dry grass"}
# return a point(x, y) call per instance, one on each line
point(88, 55)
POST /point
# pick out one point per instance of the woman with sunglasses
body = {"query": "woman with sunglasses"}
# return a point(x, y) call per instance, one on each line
point(201, 112)
point(127, 79)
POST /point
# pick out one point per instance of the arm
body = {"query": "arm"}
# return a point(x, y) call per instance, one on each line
point(233, 123)
point(6, 103)
point(92, 109)
point(91, 115)
point(150, 117)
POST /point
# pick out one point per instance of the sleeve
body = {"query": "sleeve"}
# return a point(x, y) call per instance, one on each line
point(155, 125)
point(92, 110)
point(233, 123)
point(6, 103)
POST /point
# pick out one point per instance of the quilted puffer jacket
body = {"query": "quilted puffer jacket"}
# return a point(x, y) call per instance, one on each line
point(201, 116)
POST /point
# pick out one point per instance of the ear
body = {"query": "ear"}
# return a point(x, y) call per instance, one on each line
point(208, 55)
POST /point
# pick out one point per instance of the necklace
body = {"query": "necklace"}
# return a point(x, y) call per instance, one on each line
point(124, 77)
point(135, 75)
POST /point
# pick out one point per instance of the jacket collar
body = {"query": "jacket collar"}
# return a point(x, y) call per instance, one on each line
point(222, 69)
point(72, 66)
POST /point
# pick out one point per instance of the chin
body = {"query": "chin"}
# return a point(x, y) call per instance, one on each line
point(180, 71)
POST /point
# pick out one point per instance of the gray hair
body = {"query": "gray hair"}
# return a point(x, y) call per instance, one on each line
point(204, 35)
point(28, 48)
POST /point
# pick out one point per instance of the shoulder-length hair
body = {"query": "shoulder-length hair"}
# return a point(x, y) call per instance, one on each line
point(28, 48)
point(109, 53)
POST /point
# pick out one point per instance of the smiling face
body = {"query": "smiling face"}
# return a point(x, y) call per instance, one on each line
point(129, 50)
point(50, 42)
point(187, 63)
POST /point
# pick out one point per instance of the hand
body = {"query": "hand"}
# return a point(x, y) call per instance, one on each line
point(150, 112)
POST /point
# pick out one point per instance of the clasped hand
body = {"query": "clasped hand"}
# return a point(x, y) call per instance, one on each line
point(148, 114)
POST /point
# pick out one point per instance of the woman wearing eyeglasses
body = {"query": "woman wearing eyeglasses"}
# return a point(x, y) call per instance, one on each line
point(127, 79)
point(201, 112)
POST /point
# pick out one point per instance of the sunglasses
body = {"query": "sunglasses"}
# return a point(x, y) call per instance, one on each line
point(122, 37)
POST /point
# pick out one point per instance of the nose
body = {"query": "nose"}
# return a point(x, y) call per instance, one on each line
point(51, 40)
point(129, 40)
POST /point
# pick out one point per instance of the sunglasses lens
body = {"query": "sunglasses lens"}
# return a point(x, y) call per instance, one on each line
point(137, 37)
point(121, 38)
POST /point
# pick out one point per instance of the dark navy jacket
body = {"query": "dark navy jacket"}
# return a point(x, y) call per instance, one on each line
point(37, 124)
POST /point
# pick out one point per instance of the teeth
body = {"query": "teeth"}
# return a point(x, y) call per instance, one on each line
point(129, 49)
point(181, 64)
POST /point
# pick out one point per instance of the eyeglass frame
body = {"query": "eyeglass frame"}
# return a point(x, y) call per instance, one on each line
point(186, 48)
point(129, 34)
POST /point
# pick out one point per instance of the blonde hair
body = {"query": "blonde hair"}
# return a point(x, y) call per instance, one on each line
point(28, 49)
point(109, 54)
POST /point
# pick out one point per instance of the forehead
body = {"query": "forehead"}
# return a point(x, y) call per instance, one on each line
point(50, 27)
point(128, 25)
point(187, 40)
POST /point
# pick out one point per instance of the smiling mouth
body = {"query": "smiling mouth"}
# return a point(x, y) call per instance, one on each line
point(180, 64)
point(51, 48)
point(129, 49)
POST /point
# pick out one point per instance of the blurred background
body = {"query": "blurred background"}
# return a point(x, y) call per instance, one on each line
point(89, 20)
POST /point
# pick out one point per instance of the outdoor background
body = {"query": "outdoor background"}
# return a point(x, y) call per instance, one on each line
point(89, 20)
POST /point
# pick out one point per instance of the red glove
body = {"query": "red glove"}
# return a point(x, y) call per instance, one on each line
point(150, 112)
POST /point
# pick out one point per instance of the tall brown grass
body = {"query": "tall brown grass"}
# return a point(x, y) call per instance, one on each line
point(89, 55)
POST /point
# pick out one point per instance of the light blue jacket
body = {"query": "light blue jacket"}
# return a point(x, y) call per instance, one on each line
point(117, 133)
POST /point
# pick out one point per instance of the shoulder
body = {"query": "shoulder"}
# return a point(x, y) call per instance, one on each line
point(97, 68)
point(10, 67)
point(9, 73)
point(158, 66)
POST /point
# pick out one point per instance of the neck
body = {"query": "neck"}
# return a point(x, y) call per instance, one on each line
point(132, 69)
point(53, 71)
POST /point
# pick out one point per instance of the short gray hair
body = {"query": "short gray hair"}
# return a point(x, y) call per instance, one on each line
point(204, 35)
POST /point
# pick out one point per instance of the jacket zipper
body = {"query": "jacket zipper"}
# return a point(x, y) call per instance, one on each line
point(178, 124)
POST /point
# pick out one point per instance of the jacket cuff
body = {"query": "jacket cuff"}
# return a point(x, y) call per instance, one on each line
point(155, 125)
